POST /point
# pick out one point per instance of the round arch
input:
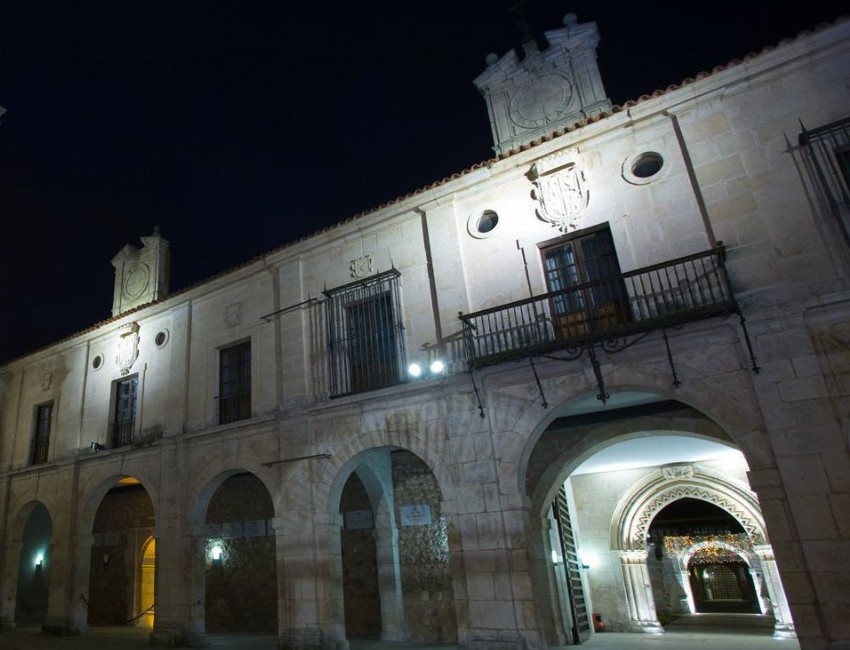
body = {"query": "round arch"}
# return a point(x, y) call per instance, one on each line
point(639, 505)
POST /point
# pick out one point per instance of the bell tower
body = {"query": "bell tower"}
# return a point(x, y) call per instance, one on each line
point(141, 275)
point(545, 88)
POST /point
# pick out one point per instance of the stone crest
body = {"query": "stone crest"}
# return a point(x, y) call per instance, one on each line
point(128, 347)
point(560, 190)
point(361, 267)
point(233, 315)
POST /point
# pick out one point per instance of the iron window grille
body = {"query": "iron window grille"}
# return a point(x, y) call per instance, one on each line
point(41, 440)
point(234, 398)
point(364, 329)
point(829, 150)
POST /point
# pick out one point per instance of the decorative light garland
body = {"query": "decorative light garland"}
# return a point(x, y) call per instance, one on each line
point(713, 549)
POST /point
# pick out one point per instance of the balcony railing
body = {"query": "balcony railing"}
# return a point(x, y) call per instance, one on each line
point(667, 294)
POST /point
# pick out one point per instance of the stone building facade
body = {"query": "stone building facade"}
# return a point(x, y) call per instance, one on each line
point(253, 454)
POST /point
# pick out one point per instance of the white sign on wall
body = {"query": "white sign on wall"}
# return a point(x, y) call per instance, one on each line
point(416, 515)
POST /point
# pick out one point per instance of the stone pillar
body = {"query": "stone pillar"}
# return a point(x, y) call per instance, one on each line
point(311, 614)
point(685, 581)
point(642, 616)
point(783, 627)
point(69, 560)
point(179, 559)
point(9, 584)
point(499, 609)
point(389, 583)
point(78, 611)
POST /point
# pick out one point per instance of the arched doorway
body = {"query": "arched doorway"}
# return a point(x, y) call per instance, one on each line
point(122, 530)
point(616, 468)
point(240, 558)
point(692, 537)
point(146, 582)
point(34, 568)
point(361, 594)
point(397, 582)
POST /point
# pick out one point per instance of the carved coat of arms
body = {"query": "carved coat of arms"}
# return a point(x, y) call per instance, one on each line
point(560, 190)
point(128, 347)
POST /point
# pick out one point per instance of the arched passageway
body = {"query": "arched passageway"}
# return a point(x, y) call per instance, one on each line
point(121, 536)
point(34, 568)
point(240, 566)
point(718, 579)
point(601, 478)
point(147, 583)
point(397, 582)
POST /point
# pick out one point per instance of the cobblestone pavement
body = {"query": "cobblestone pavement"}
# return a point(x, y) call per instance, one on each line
point(720, 635)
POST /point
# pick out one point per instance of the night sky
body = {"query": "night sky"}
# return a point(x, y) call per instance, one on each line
point(239, 126)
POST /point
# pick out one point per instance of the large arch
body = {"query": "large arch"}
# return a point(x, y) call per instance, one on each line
point(382, 471)
point(665, 485)
point(32, 544)
point(700, 407)
point(122, 525)
point(234, 555)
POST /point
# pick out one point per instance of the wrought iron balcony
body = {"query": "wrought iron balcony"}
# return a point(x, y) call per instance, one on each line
point(660, 296)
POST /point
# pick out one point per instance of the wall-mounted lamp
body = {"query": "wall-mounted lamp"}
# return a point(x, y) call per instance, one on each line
point(106, 559)
point(216, 553)
point(39, 560)
point(586, 560)
point(435, 369)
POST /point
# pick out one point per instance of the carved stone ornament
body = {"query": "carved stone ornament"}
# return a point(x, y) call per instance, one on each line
point(678, 471)
point(46, 380)
point(128, 347)
point(361, 267)
point(560, 190)
point(233, 315)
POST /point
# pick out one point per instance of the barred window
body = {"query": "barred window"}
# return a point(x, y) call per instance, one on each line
point(234, 398)
point(365, 342)
point(41, 439)
point(829, 151)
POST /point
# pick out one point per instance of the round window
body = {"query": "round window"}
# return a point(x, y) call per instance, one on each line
point(481, 224)
point(487, 221)
point(97, 362)
point(161, 338)
point(647, 165)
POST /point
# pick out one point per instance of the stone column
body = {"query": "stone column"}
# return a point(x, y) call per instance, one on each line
point(311, 614)
point(499, 605)
point(389, 583)
point(9, 584)
point(641, 604)
point(179, 616)
point(78, 612)
point(783, 627)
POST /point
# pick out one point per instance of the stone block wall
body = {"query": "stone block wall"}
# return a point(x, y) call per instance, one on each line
point(426, 578)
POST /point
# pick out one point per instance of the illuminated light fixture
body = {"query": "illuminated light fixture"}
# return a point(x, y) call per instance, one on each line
point(586, 560)
point(39, 560)
point(435, 368)
point(216, 553)
point(555, 557)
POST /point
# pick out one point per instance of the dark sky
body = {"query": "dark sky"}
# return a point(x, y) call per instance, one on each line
point(239, 126)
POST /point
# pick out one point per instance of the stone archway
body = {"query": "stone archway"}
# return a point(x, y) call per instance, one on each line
point(639, 505)
point(415, 578)
point(33, 576)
